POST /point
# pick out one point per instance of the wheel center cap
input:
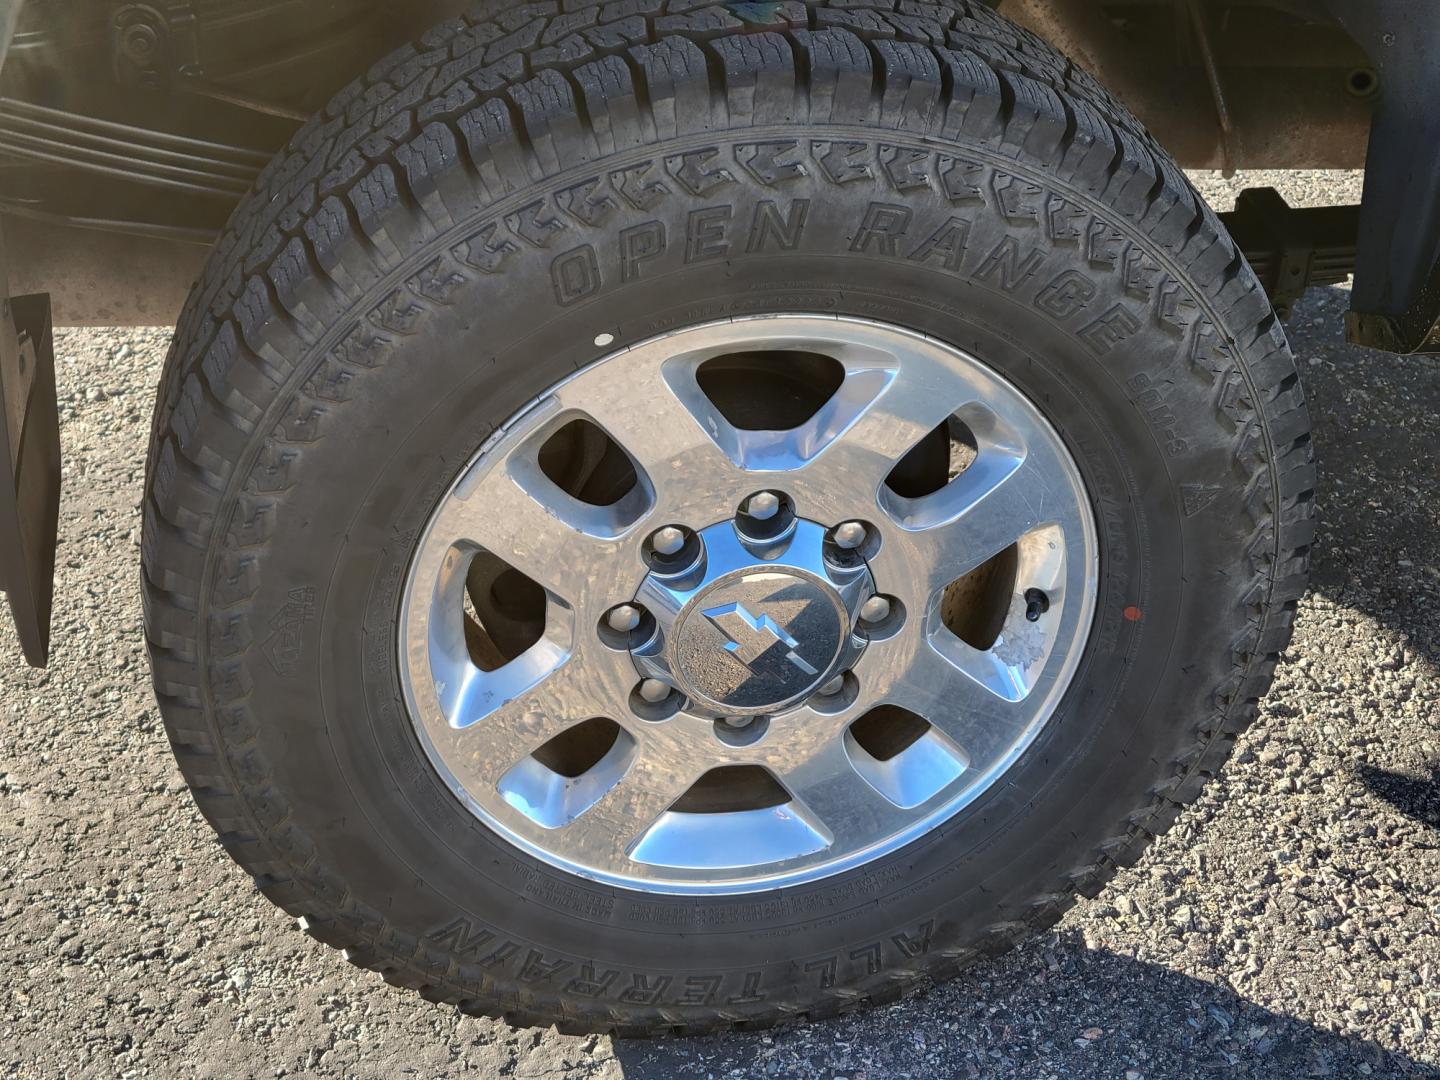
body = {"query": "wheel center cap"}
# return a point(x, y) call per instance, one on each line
point(758, 638)
point(753, 626)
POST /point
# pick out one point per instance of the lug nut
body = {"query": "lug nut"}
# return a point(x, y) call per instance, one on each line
point(667, 541)
point(875, 609)
point(654, 691)
point(849, 535)
point(739, 721)
point(833, 687)
point(763, 506)
point(623, 618)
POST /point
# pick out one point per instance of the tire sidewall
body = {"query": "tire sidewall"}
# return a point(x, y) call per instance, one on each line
point(1091, 346)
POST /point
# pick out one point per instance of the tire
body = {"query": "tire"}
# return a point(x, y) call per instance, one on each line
point(448, 240)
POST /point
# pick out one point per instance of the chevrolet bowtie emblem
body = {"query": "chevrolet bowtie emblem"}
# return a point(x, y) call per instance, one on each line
point(752, 638)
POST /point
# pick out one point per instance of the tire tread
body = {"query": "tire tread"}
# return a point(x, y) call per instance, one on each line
point(496, 95)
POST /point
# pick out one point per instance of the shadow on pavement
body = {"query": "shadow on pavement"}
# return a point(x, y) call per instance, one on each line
point(1054, 1009)
point(1376, 424)
point(1377, 438)
point(1418, 799)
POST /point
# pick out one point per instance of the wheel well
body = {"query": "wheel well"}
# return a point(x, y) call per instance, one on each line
point(130, 131)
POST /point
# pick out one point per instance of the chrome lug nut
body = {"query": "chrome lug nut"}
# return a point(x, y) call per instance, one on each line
point(874, 610)
point(668, 541)
point(849, 535)
point(833, 687)
point(763, 506)
point(739, 721)
point(623, 618)
point(653, 690)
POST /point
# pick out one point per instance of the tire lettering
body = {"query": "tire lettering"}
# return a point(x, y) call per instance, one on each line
point(749, 992)
point(536, 969)
point(769, 229)
point(917, 944)
point(882, 228)
point(576, 275)
point(1068, 292)
point(1004, 262)
point(948, 242)
point(871, 955)
point(705, 233)
point(824, 971)
point(461, 937)
point(1109, 330)
point(500, 955)
point(1149, 397)
point(645, 989)
point(589, 984)
point(285, 647)
point(700, 989)
point(638, 244)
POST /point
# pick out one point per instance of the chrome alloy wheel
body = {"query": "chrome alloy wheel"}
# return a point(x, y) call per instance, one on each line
point(756, 664)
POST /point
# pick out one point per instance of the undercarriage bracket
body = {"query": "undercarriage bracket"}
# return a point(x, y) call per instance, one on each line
point(1291, 249)
point(1396, 303)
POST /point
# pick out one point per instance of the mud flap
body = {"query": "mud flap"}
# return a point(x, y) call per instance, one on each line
point(30, 478)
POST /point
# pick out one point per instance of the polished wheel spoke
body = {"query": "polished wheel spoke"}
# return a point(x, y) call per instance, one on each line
point(887, 409)
point(567, 549)
point(985, 510)
point(493, 726)
point(666, 425)
point(664, 768)
point(957, 691)
point(823, 779)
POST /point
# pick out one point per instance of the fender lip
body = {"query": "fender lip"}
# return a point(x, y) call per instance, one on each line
point(30, 473)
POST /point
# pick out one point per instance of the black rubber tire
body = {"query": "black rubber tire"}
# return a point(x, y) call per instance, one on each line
point(446, 240)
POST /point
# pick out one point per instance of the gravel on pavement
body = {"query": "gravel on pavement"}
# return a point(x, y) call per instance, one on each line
point(1289, 925)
